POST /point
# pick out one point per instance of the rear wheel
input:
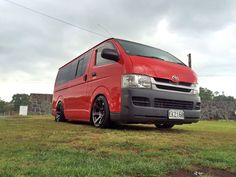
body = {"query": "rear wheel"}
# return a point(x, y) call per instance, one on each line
point(164, 125)
point(60, 117)
point(100, 113)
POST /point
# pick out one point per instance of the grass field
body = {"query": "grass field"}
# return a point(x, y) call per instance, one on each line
point(37, 146)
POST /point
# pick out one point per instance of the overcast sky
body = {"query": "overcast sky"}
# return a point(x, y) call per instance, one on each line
point(33, 47)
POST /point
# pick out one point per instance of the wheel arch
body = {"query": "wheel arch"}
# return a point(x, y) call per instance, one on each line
point(100, 91)
point(60, 99)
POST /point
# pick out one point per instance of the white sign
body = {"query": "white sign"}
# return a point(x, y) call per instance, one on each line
point(23, 110)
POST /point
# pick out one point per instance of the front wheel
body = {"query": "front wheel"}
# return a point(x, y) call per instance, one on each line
point(100, 113)
point(164, 125)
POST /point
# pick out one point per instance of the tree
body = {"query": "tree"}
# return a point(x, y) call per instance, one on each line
point(8, 108)
point(2, 105)
point(223, 98)
point(216, 93)
point(20, 100)
point(206, 94)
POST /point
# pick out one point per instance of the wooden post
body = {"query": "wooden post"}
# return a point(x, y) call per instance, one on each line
point(189, 60)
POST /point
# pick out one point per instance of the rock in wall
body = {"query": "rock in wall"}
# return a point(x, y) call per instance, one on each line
point(218, 110)
point(40, 104)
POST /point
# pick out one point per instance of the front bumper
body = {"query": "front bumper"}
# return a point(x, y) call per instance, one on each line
point(151, 113)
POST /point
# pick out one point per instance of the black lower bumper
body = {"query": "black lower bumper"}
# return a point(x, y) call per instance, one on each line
point(150, 111)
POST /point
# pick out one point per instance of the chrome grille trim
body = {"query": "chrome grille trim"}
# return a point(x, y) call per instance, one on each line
point(155, 85)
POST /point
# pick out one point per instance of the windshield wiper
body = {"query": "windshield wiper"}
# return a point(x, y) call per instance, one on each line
point(150, 57)
point(181, 63)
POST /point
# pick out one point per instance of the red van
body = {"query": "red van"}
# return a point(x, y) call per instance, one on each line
point(126, 82)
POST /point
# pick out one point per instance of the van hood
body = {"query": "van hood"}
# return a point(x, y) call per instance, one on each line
point(162, 69)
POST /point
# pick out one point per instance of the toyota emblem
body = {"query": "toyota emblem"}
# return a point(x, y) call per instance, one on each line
point(175, 78)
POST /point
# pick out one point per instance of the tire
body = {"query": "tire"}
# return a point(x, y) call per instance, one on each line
point(164, 125)
point(60, 117)
point(100, 116)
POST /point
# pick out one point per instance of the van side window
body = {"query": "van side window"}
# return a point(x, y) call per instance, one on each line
point(99, 59)
point(60, 79)
point(66, 73)
point(82, 65)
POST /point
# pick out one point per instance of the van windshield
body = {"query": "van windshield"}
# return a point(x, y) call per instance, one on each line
point(136, 49)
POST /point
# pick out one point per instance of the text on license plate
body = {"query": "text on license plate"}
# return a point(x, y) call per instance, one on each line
point(176, 114)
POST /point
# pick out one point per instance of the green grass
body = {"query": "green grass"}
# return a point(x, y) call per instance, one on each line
point(37, 146)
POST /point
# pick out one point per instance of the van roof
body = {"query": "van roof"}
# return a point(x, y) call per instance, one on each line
point(86, 52)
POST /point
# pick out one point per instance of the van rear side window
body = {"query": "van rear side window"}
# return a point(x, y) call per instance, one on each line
point(66, 73)
point(72, 70)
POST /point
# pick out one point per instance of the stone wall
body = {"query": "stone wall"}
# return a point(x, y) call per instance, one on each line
point(40, 104)
point(218, 110)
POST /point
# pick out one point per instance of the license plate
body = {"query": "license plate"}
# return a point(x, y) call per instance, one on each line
point(176, 114)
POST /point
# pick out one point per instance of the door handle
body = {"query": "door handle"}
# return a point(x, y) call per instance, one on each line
point(85, 77)
point(94, 74)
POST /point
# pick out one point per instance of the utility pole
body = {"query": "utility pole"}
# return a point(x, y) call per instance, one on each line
point(189, 60)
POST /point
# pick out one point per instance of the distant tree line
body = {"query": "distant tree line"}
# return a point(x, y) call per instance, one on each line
point(14, 105)
point(208, 95)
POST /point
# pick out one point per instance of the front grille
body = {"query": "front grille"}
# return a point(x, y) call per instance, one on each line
point(171, 82)
point(172, 88)
point(169, 85)
point(173, 104)
point(141, 101)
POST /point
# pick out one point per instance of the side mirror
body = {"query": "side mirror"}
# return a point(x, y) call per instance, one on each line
point(110, 54)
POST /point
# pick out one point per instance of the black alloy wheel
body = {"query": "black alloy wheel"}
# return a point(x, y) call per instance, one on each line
point(100, 113)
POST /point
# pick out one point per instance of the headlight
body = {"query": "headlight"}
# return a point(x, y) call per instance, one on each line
point(196, 89)
point(136, 81)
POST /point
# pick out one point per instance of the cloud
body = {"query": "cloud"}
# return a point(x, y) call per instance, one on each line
point(33, 47)
point(198, 17)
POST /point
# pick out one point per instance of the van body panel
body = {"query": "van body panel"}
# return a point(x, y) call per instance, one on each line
point(107, 81)
point(75, 99)
point(161, 69)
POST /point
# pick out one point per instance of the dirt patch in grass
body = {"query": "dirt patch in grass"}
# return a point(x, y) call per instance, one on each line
point(202, 171)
